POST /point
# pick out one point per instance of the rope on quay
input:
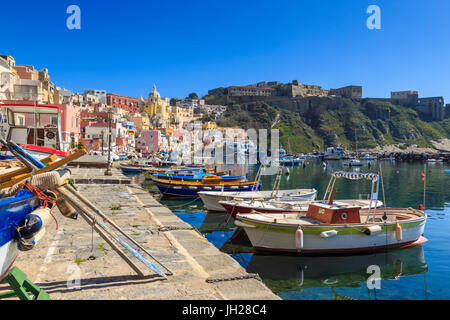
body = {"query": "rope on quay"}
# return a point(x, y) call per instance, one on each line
point(184, 204)
point(173, 228)
point(243, 277)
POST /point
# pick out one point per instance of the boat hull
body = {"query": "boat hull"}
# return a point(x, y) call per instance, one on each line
point(233, 209)
point(349, 239)
point(211, 199)
point(131, 169)
point(192, 191)
point(12, 211)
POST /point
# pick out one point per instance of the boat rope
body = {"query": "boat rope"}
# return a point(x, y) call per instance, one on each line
point(243, 277)
point(45, 200)
point(127, 246)
point(185, 204)
point(174, 228)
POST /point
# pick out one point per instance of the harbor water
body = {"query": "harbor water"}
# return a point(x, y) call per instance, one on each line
point(421, 272)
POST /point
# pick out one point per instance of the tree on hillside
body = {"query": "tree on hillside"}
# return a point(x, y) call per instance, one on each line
point(193, 95)
point(173, 102)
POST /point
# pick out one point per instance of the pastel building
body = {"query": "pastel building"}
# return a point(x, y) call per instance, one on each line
point(100, 94)
point(94, 125)
point(126, 103)
point(149, 141)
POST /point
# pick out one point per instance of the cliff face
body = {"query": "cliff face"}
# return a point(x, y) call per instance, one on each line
point(308, 124)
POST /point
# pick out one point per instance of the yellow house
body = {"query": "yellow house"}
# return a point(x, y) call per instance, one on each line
point(141, 121)
point(209, 125)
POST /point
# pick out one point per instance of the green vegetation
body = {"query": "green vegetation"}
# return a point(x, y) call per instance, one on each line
point(366, 124)
point(101, 247)
point(115, 208)
point(78, 261)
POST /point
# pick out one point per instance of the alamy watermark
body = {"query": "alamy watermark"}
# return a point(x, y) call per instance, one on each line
point(73, 22)
point(230, 147)
point(74, 279)
point(374, 280)
point(374, 20)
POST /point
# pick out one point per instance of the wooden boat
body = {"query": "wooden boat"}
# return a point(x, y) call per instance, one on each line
point(130, 169)
point(208, 183)
point(211, 199)
point(12, 211)
point(329, 227)
point(237, 205)
point(197, 177)
point(22, 219)
point(41, 138)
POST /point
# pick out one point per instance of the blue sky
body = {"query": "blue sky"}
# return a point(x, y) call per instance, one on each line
point(191, 46)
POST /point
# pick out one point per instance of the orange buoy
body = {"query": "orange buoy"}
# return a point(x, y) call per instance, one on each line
point(420, 207)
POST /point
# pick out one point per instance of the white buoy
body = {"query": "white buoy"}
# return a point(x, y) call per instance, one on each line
point(299, 238)
point(328, 234)
point(398, 233)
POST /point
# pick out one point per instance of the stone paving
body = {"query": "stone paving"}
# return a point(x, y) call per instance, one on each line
point(97, 176)
point(74, 252)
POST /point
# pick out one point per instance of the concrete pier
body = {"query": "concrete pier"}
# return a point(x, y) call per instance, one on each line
point(73, 262)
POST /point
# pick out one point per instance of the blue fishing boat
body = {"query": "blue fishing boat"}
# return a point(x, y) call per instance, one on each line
point(195, 177)
point(208, 183)
point(130, 169)
point(447, 171)
point(13, 211)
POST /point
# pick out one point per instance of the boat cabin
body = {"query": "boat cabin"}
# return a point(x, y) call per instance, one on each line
point(212, 179)
point(334, 213)
point(38, 125)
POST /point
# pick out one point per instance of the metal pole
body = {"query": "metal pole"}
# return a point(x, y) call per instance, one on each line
point(108, 171)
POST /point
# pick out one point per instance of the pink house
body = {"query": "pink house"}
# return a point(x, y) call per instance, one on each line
point(149, 141)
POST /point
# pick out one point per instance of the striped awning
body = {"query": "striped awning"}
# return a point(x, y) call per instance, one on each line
point(356, 175)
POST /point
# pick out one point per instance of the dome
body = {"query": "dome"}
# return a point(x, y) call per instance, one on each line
point(154, 93)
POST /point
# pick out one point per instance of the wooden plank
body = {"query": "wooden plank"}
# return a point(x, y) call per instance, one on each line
point(7, 176)
point(48, 168)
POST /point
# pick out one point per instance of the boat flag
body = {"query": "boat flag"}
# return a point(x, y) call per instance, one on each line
point(375, 194)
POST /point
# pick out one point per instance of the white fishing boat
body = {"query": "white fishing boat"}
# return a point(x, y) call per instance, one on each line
point(334, 153)
point(212, 199)
point(434, 161)
point(353, 163)
point(329, 227)
point(368, 157)
point(238, 205)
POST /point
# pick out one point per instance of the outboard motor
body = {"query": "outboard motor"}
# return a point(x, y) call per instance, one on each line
point(31, 229)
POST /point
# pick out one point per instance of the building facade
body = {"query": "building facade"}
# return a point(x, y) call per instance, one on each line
point(100, 94)
point(407, 98)
point(433, 107)
point(350, 92)
point(240, 91)
point(126, 103)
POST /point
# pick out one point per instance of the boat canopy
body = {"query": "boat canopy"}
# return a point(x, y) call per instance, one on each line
point(41, 109)
point(356, 175)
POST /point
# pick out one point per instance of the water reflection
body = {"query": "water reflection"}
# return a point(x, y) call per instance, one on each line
point(297, 273)
point(296, 277)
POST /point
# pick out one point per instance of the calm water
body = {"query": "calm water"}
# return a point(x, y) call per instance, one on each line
point(421, 272)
